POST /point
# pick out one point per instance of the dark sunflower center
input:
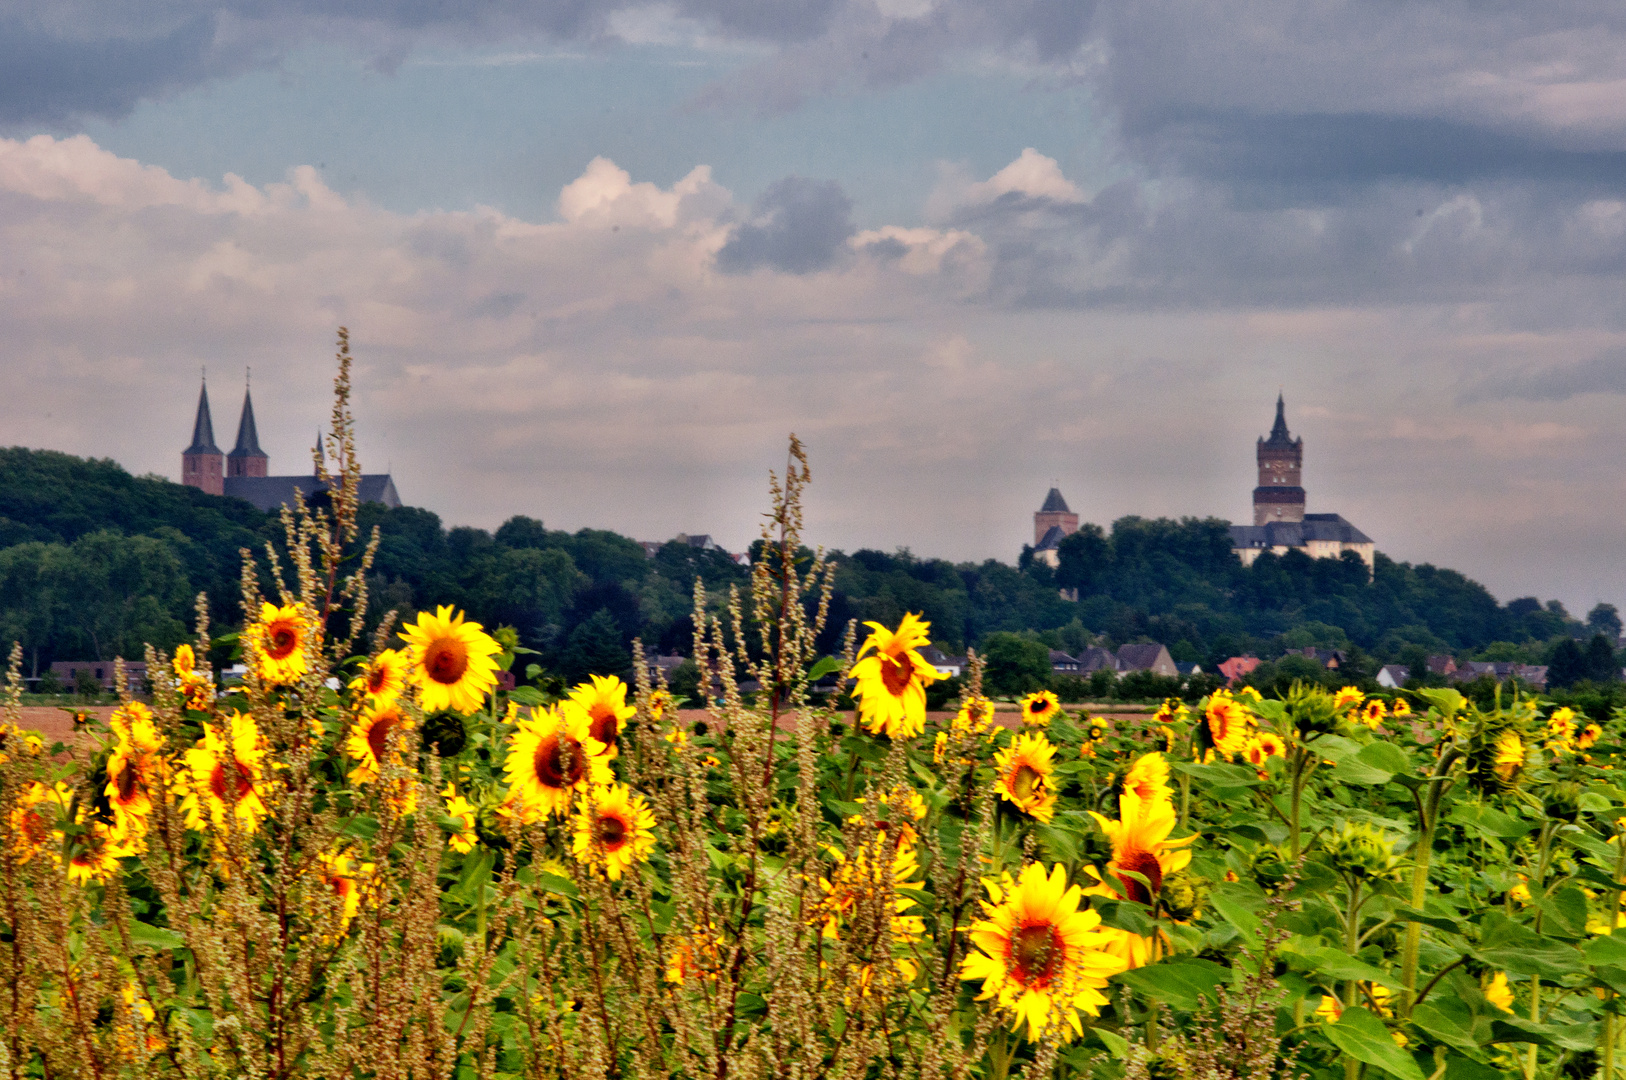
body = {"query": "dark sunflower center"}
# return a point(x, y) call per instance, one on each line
point(340, 885)
point(282, 641)
point(1026, 782)
point(378, 736)
point(1036, 706)
point(446, 660)
point(244, 780)
point(1146, 865)
point(35, 827)
point(559, 762)
point(612, 832)
point(127, 781)
point(896, 674)
point(1035, 953)
point(376, 678)
point(603, 727)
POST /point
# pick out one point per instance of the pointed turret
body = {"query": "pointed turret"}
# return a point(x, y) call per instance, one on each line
point(1054, 514)
point(1279, 496)
point(203, 466)
point(247, 459)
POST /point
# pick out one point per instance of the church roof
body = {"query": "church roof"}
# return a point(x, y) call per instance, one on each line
point(1278, 431)
point(203, 428)
point(1054, 504)
point(248, 436)
point(1052, 538)
point(271, 493)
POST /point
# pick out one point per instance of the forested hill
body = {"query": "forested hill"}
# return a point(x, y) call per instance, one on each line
point(94, 561)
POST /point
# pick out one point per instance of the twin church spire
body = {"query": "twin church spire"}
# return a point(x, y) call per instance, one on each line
point(205, 466)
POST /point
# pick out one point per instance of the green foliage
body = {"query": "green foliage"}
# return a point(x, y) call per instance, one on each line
point(1016, 664)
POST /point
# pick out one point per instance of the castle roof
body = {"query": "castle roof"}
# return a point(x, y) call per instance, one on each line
point(248, 436)
point(1292, 534)
point(1278, 431)
point(203, 428)
point(1052, 538)
point(1054, 504)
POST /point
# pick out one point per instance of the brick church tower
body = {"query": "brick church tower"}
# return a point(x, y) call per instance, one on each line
point(203, 465)
point(247, 459)
point(1280, 494)
point(1053, 514)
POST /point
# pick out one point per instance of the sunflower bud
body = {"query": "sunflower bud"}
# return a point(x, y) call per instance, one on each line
point(1562, 801)
point(446, 732)
point(1360, 851)
point(1183, 896)
point(1312, 711)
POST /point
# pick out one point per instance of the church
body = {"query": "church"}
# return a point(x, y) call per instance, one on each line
point(243, 473)
point(1279, 524)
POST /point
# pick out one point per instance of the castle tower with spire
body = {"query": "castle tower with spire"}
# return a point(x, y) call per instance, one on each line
point(1280, 494)
point(247, 459)
point(203, 466)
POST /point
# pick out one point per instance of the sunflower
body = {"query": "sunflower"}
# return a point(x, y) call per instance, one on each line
point(348, 877)
point(892, 678)
point(462, 812)
point(451, 660)
point(1347, 696)
point(139, 1028)
point(196, 688)
point(613, 830)
point(277, 643)
point(1133, 949)
point(659, 702)
point(975, 717)
point(134, 768)
point(697, 956)
point(1023, 772)
point(1509, 759)
point(1399, 708)
point(1148, 778)
point(1589, 736)
point(1498, 993)
point(1228, 723)
point(370, 736)
point(1170, 712)
point(1561, 730)
point(384, 677)
point(96, 853)
point(35, 818)
point(605, 699)
point(1262, 747)
point(1039, 708)
point(552, 756)
point(1372, 714)
point(1040, 957)
point(865, 889)
point(1141, 845)
point(226, 775)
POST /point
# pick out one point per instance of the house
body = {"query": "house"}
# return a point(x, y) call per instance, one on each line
point(1442, 665)
point(1095, 659)
point(1148, 657)
point(1331, 659)
point(67, 672)
point(1061, 662)
point(1238, 667)
point(1188, 668)
point(1532, 675)
point(1393, 676)
point(945, 665)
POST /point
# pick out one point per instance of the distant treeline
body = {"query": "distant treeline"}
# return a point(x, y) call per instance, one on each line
point(94, 562)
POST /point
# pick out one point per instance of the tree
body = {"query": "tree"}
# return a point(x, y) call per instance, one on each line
point(1604, 619)
point(1567, 665)
point(1083, 560)
point(1016, 664)
point(595, 647)
point(1599, 660)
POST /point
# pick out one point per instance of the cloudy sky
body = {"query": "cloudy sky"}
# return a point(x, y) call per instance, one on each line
point(599, 258)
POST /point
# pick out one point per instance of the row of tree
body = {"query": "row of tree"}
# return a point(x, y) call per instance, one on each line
point(94, 562)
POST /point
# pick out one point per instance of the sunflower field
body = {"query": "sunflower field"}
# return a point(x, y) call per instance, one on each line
point(380, 856)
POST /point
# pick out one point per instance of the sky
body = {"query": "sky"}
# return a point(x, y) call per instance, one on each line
point(599, 258)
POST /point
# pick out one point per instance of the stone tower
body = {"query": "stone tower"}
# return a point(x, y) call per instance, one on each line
point(1280, 495)
point(1053, 513)
point(247, 459)
point(203, 466)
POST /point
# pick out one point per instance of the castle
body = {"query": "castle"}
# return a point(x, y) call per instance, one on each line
point(242, 474)
point(1279, 524)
